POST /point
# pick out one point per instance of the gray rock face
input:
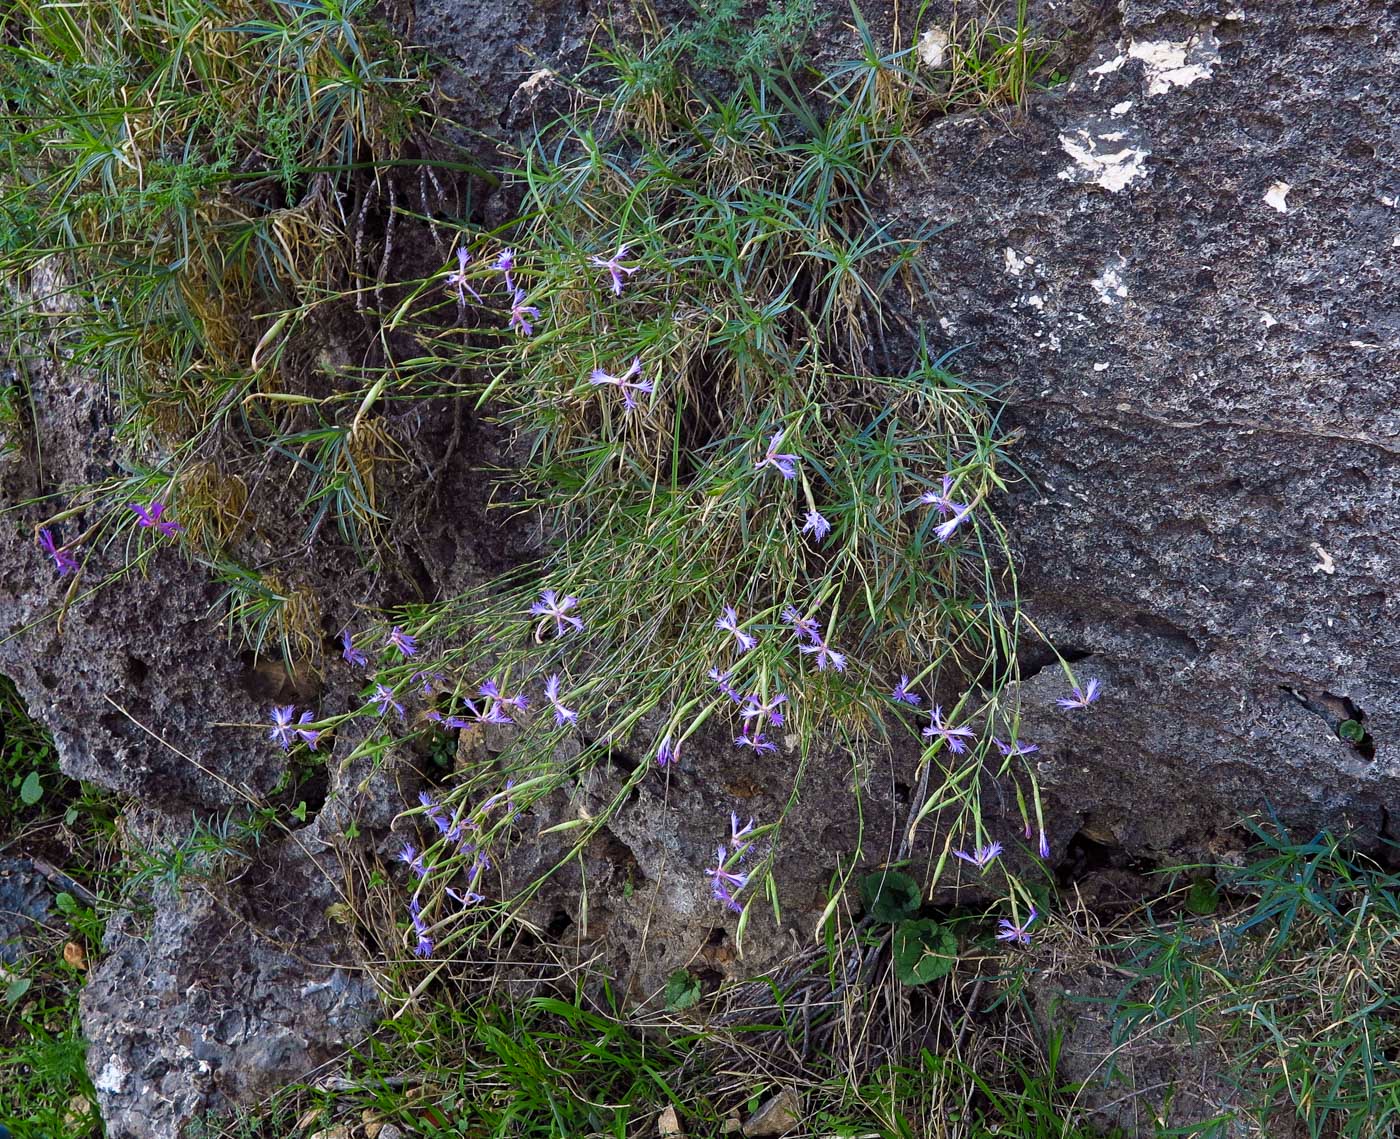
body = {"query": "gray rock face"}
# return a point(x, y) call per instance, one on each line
point(232, 992)
point(1179, 266)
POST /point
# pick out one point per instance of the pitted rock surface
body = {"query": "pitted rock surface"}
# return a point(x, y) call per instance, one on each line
point(1179, 267)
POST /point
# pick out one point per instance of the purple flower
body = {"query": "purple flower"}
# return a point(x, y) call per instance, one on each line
point(816, 525)
point(410, 856)
point(492, 691)
point(722, 679)
point(806, 628)
point(424, 948)
point(470, 898)
point(730, 624)
point(827, 657)
point(666, 753)
point(309, 735)
point(902, 694)
point(151, 516)
point(427, 678)
point(615, 268)
point(1014, 748)
point(400, 640)
point(458, 280)
point(981, 857)
point(785, 465)
point(282, 730)
point(943, 501)
point(349, 651)
point(765, 712)
point(739, 836)
point(760, 743)
point(562, 715)
point(624, 382)
point(1010, 931)
point(521, 314)
point(1044, 848)
point(724, 883)
point(945, 531)
point(63, 562)
point(938, 728)
point(505, 263)
point(551, 606)
point(383, 699)
point(1082, 697)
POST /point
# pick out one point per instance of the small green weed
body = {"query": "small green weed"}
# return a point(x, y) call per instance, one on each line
point(1293, 982)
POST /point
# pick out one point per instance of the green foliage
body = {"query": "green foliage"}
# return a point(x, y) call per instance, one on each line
point(923, 951)
point(27, 757)
point(761, 306)
point(1294, 981)
point(682, 990)
point(890, 895)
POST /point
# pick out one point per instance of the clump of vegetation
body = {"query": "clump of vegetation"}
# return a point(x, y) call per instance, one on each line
point(1284, 970)
point(44, 1085)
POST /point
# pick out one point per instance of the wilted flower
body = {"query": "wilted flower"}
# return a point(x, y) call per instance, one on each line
point(151, 516)
point(666, 753)
point(551, 606)
point(1044, 848)
point(730, 624)
point(1082, 697)
point(981, 857)
point(63, 562)
point(785, 465)
point(725, 883)
point(816, 525)
point(955, 738)
point(282, 730)
point(400, 640)
point(562, 715)
point(383, 699)
point(902, 694)
point(1010, 931)
point(1014, 748)
point(458, 280)
point(615, 268)
point(943, 501)
point(349, 652)
point(522, 314)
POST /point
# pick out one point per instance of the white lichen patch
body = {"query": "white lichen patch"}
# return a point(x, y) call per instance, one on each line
point(112, 1078)
point(1121, 108)
point(1015, 264)
point(933, 48)
point(1277, 196)
point(1168, 63)
point(1110, 164)
point(1109, 285)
